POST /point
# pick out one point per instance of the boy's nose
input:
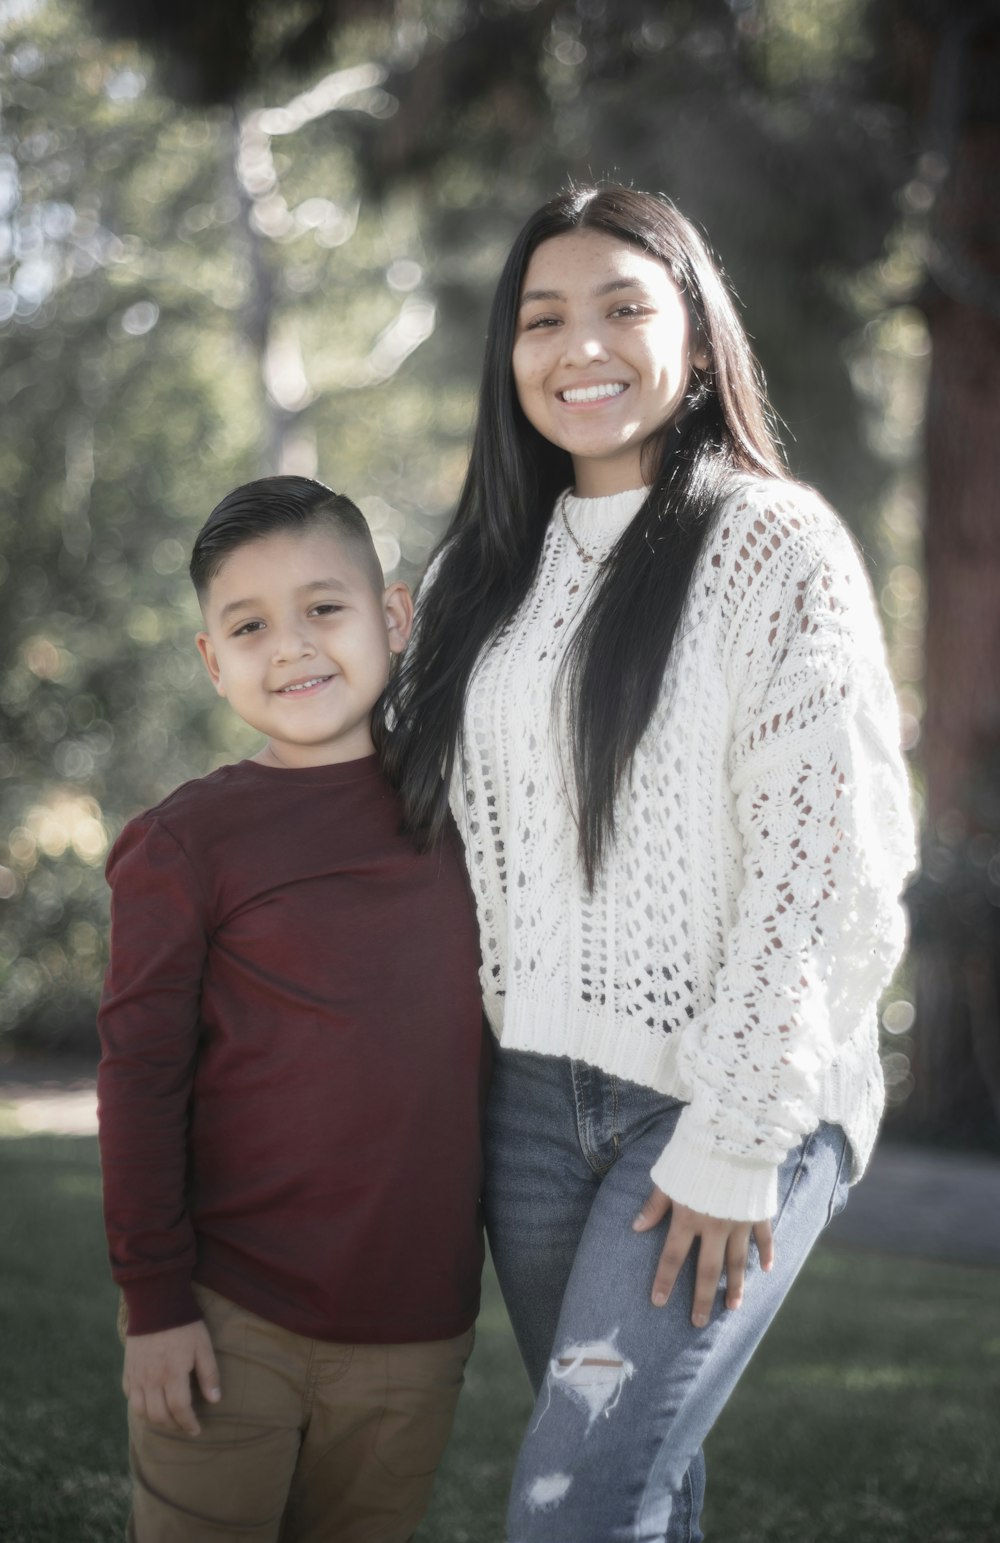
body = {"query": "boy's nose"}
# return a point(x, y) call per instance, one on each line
point(292, 643)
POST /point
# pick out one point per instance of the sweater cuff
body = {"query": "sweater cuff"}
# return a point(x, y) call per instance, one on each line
point(692, 1171)
point(157, 1302)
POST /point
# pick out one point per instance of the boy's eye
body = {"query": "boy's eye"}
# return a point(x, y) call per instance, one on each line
point(326, 608)
point(247, 627)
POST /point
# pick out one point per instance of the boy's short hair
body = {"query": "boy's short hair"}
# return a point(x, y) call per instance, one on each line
point(273, 504)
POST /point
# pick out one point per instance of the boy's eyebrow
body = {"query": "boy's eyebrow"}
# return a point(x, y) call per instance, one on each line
point(602, 289)
point(254, 603)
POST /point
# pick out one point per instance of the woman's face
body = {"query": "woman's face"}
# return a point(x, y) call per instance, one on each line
point(602, 354)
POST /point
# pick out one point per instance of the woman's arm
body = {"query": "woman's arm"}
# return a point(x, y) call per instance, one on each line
point(822, 805)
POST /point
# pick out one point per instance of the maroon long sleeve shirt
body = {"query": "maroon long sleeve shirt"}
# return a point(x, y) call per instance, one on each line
point(290, 1090)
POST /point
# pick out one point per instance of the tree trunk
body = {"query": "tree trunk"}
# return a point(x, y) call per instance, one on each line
point(956, 1059)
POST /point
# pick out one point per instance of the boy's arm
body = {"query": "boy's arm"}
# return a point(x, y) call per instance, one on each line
point(149, 1024)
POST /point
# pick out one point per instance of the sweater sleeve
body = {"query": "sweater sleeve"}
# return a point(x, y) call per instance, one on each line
point(822, 808)
point(148, 1024)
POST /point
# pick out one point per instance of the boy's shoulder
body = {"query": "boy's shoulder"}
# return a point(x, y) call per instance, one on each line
point(222, 806)
point(193, 808)
point(199, 795)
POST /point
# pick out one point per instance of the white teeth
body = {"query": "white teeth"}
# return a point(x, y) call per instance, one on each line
point(303, 685)
point(592, 393)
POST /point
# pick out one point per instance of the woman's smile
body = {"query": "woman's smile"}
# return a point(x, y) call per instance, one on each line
point(582, 394)
point(602, 354)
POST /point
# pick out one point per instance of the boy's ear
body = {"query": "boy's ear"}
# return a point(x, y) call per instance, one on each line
point(207, 652)
point(397, 606)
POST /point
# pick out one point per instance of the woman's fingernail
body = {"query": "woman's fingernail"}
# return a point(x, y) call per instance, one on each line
point(699, 1320)
point(659, 1298)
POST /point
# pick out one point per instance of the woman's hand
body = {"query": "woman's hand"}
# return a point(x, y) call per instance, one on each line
point(723, 1246)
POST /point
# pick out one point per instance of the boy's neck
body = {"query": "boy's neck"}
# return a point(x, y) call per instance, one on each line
point(299, 761)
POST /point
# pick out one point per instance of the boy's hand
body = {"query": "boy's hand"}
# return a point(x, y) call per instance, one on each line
point(722, 1245)
point(157, 1376)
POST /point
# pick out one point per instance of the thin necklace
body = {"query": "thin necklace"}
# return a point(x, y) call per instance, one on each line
point(585, 556)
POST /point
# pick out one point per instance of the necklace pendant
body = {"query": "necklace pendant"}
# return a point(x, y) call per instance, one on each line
point(584, 556)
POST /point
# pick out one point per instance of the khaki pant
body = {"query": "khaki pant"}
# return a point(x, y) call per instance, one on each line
point(311, 1442)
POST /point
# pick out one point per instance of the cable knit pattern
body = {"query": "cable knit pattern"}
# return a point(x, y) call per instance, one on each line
point(748, 917)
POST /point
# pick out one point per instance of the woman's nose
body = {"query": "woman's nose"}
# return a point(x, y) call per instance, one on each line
point(583, 345)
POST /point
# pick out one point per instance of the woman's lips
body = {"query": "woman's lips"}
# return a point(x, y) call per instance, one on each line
point(600, 391)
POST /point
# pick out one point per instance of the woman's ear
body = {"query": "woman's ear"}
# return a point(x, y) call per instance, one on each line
point(397, 607)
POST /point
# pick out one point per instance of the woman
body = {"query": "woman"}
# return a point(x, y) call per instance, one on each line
point(649, 666)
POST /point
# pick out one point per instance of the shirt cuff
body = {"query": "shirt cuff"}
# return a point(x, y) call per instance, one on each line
point(157, 1302)
point(692, 1171)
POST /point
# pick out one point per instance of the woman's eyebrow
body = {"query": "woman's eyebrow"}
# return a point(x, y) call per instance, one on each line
point(610, 288)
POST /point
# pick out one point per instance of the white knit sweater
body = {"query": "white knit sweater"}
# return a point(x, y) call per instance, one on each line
point(748, 918)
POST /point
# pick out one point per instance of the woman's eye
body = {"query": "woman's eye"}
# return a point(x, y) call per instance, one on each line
point(537, 322)
point(629, 309)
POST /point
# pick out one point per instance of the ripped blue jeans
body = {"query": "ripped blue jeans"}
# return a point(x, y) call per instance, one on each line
point(625, 1392)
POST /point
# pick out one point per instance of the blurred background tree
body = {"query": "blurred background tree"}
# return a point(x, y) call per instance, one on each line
point(247, 237)
point(948, 68)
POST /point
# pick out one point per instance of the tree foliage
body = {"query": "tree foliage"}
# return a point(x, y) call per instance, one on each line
point(269, 243)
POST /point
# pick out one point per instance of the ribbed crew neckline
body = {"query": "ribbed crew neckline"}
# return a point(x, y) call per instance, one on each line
point(331, 775)
point(605, 516)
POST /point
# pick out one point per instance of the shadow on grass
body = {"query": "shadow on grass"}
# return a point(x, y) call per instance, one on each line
point(869, 1416)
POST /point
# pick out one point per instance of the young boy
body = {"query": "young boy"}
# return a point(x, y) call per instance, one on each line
point(290, 1089)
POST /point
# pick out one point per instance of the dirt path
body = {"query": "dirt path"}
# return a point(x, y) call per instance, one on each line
point(58, 1097)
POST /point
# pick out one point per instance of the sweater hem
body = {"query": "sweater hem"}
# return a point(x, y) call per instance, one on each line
point(696, 1173)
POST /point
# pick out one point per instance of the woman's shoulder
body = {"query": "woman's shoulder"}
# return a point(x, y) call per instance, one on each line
point(755, 510)
point(772, 531)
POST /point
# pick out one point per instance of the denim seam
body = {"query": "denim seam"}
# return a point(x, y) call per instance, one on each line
point(844, 1155)
point(722, 1330)
point(807, 1147)
point(592, 1158)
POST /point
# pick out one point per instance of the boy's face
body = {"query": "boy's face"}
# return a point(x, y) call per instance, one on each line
point(299, 642)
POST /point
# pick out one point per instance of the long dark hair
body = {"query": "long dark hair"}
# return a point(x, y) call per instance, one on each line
point(615, 663)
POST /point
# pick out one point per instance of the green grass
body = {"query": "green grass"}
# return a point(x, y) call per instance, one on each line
point(869, 1416)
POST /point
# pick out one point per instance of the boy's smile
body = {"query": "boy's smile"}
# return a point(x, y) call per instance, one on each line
point(299, 641)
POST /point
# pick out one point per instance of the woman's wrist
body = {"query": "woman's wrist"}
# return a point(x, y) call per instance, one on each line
point(693, 1172)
